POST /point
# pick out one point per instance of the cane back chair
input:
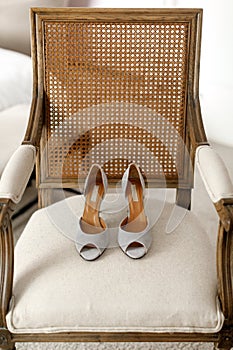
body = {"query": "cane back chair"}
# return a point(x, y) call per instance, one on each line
point(113, 86)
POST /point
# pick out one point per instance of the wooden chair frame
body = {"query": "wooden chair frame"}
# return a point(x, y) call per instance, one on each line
point(196, 136)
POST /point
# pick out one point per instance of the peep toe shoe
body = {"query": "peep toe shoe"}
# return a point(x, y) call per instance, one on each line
point(134, 235)
point(92, 231)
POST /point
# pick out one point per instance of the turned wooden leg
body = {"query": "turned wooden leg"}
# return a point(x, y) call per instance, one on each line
point(226, 340)
point(5, 340)
point(8, 347)
point(216, 347)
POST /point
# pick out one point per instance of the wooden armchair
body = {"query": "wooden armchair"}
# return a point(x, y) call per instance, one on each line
point(113, 86)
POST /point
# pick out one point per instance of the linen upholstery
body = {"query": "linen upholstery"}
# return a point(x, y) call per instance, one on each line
point(169, 290)
point(218, 183)
point(17, 173)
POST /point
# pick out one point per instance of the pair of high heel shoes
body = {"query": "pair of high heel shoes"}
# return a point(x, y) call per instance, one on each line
point(134, 237)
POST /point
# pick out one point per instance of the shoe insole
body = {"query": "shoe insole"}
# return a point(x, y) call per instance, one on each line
point(91, 222)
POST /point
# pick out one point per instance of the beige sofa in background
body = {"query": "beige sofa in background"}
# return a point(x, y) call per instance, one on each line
point(15, 71)
point(16, 85)
point(14, 22)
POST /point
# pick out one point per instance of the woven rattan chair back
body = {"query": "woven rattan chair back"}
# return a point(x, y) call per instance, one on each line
point(116, 85)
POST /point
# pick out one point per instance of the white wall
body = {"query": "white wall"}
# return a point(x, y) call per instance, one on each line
point(216, 83)
point(125, 3)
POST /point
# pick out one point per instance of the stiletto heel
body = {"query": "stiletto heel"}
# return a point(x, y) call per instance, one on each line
point(92, 235)
point(134, 236)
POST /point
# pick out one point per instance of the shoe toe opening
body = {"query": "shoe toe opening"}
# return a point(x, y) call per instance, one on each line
point(136, 250)
point(90, 252)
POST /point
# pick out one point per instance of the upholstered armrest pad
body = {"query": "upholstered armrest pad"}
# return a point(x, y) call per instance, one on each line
point(214, 173)
point(17, 173)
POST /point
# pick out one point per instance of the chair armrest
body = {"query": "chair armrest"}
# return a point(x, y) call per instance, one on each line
point(214, 174)
point(220, 189)
point(12, 186)
point(17, 173)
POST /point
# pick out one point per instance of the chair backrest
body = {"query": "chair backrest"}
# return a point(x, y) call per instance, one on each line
point(112, 86)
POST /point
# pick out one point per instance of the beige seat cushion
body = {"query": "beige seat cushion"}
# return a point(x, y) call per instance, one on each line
point(172, 289)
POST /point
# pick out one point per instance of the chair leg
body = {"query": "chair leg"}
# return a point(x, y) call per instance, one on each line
point(225, 341)
point(11, 347)
point(183, 197)
point(216, 347)
point(5, 340)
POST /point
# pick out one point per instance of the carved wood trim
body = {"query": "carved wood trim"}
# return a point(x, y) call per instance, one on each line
point(196, 128)
point(225, 257)
point(116, 337)
point(6, 340)
point(34, 127)
point(6, 257)
point(225, 339)
point(224, 208)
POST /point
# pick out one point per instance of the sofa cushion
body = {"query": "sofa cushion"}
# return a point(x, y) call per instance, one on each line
point(13, 123)
point(172, 289)
point(15, 79)
point(14, 22)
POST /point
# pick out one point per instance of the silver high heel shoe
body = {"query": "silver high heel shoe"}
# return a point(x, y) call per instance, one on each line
point(134, 235)
point(92, 233)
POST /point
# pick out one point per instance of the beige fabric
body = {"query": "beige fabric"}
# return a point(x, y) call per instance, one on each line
point(17, 173)
point(214, 173)
point(172, 289)
point(13, 123)
point(15, 79)
point(14, 22)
